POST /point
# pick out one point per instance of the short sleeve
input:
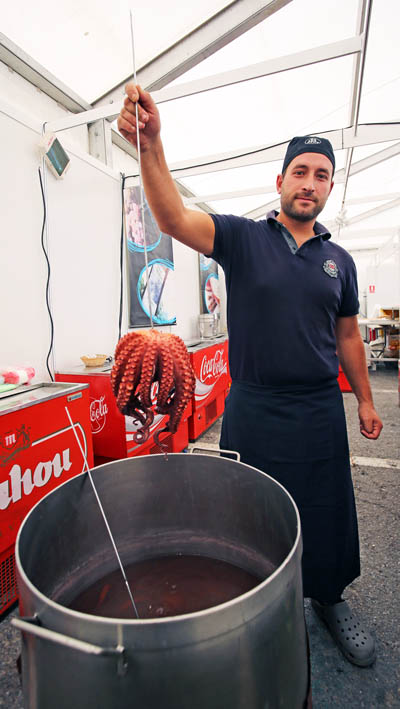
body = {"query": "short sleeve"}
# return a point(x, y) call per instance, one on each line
point(227, 234)
point(350, 305)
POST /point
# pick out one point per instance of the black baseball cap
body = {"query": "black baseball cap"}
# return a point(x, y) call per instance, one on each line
point(308, 144)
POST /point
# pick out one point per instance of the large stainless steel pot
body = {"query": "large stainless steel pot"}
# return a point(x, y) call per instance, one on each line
point(248, 653)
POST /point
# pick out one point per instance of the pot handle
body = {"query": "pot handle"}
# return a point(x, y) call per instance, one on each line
point(31, 625)
point(211, 449)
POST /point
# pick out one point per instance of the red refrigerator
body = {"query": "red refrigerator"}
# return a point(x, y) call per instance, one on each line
point(209, 360)
point(113, 433)
point(38, 452)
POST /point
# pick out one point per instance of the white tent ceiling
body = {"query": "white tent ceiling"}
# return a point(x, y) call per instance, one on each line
point(234, 82)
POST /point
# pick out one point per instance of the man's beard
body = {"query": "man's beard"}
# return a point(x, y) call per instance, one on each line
point(290, 209)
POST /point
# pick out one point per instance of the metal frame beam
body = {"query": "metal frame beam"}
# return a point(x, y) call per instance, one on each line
point(369, 213)
point(366, 233)
point(220, 29)
point(364, 16)
point(270, 189)
point(253, 71)
point(249, 192)
point(340, 139)
point(373, 198)
point(262, 210)
point(324, 53)
point(20, 62)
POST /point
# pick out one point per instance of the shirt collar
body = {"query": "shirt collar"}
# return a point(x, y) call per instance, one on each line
point(319, 229)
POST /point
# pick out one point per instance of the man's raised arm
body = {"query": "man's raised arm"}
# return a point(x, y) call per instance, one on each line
point(191, 227)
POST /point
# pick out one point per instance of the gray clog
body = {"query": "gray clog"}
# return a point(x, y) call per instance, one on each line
point(355, 642)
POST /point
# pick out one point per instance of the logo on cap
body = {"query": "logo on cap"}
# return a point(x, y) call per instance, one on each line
point(313, 141)
point(330, 268)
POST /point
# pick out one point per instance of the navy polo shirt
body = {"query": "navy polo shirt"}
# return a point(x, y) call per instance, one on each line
point(282, 301)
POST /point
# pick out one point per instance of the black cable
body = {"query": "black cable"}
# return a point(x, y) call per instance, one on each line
point(48, 278)
point(219, 160)
point(121, 257)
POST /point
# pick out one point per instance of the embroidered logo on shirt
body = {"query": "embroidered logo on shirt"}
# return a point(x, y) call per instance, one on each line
point(330, 268)
point(312, 141)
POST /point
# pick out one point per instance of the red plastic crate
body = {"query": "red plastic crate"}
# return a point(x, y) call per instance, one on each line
point(8, 579)
point(344, 383)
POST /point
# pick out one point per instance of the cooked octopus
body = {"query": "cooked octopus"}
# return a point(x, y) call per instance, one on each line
point(141, 358)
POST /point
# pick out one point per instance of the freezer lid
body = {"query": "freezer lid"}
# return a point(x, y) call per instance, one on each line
point(82, 370)
point(28, 395)
point(198, 344)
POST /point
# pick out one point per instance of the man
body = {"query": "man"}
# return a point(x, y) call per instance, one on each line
point(292, 309)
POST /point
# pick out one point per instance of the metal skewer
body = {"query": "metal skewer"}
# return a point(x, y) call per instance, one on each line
point(103, 514)
point(141, 191)
point(162, 446)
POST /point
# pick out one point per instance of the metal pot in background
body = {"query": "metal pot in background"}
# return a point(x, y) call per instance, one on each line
point(248, 653)
point(209, 325)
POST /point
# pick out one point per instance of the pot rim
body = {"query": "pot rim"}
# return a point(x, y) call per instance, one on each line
point(179, 619)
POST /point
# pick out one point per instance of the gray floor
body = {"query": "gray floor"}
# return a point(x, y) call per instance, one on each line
point(375, 596)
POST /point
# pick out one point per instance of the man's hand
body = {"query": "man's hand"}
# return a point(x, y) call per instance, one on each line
point(149, 117)
point(370, 423)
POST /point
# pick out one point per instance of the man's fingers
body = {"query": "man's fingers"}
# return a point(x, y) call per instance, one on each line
point(371, 429)
point(127, 121)
point(371, 436)
point(135, 94)
point(129, 136)
point(129, 105)
point(132, 91)
point(129, 111)
point(127, 126)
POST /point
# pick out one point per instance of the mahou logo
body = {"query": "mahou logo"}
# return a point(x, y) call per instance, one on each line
point(98, 414)
point(12, 443)
point(212, 369)
point(23, 482)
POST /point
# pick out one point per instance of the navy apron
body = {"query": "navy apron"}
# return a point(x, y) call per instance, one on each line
point(297, 434)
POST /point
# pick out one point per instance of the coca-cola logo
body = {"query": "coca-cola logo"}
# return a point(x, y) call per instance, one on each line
point(98, 414)
point(213, 368)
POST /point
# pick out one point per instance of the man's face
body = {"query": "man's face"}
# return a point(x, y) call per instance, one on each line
point(306, 186)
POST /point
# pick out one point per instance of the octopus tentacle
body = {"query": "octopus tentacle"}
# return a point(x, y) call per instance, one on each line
point(149, 363)
point(185, 384)
point(166, 377)
point(128, 353)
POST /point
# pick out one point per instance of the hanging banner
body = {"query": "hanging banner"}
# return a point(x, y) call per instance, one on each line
point(154, 287)
point(209, 286)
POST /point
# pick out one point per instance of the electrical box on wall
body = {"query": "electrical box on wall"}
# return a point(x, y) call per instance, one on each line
point(54, 154)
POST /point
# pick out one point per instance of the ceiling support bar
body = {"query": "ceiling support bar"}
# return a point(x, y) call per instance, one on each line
point(206, 39)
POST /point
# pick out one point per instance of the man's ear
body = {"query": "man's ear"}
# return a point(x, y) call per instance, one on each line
point(279, 181)
point(332, 183)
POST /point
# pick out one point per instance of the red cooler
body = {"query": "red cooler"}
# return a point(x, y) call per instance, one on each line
point(113, 433)
point(38, 452)
point(210, 363)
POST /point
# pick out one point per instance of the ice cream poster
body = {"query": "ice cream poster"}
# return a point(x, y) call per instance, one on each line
point(151, 288)
point(209, 286)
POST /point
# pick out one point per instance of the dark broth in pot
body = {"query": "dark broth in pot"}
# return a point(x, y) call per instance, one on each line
point(166, 586)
